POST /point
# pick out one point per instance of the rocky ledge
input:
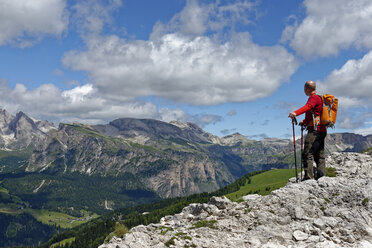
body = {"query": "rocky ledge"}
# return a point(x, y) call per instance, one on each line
point(330, 212)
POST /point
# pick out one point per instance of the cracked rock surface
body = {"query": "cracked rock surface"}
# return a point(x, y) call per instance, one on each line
point(330, 212)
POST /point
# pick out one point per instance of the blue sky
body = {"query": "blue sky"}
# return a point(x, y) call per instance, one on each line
point(229, 66)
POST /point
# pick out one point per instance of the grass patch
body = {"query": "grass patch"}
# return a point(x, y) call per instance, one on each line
point(3, 190)
point(147, 148)
point(205, 223)
point(189, 246)
point(365, 201)
point(327, 200)
point(165, 229)
point(248, 210)
point(183, 235)
point(263, 183)
point(331, 172)
point(119, 232)
point(63, 243)
point(170, 242)
point(9, 210)
point(366, 150)
point(61, 219)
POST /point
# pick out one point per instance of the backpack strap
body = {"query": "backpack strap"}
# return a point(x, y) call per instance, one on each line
point(316, 118)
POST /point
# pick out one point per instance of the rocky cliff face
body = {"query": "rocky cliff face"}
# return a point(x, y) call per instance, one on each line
point(169, 167)
point(330, 212)
point(18, 132)
point(172, 159)
point(347, 142)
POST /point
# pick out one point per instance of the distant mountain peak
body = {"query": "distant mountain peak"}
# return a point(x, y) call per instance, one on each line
point(235, 138)
point(19, 131)
point(236, 134)
point(184, 125)
point(21, 121)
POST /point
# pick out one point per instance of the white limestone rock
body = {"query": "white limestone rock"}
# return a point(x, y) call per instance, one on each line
point(330, 212)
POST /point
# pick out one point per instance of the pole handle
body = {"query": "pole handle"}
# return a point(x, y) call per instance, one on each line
point(294, 120)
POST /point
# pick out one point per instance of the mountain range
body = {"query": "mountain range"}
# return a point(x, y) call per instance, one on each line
point(169, 159)
point(82, 169)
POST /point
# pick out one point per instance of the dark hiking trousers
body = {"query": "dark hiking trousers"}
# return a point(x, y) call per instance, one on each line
point(314, 151)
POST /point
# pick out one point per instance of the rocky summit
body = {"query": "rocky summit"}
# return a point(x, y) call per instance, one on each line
point(20, 131)
point(330, 212)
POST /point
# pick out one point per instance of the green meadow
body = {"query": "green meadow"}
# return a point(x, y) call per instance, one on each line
point(263, 183)
point(63, 243)
point(61, 219)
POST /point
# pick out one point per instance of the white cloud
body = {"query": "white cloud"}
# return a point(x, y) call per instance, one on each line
point(353, 120)
point(331, 26)
point(364, 131)
point(195, 19)
point(24, 22)
point(205, 119)
point(90, 16)
point(78, 94)
point(352, 83)
point(81, 103)
point(199, 71)
point(168, 115)
point(183, 64)
point(85, 104)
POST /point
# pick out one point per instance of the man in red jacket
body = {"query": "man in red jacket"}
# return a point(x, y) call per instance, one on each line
point(314, 141)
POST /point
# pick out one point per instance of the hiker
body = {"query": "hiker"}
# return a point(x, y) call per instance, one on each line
point(314, 141)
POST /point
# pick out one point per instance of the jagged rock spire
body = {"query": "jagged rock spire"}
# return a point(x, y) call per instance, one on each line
point(18, 132)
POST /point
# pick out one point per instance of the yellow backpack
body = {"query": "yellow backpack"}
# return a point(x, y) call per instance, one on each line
point(329, 112)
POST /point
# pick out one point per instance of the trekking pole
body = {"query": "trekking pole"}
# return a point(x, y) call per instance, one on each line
point(302, 144)
point(294, 121)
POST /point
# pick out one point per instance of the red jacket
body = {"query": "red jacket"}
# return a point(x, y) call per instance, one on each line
point(314, 104)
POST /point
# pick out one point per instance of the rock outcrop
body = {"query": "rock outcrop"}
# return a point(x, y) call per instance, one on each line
point(330, 212)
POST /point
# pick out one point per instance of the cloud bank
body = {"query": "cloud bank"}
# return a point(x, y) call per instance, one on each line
point(186, 60)
point(85, 104)
point(352, 83)
point(24, 22)
point(198, 71)
point(196, 58)
point(331, 26)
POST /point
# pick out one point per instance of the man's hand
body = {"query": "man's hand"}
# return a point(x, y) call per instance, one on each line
point(292, 115)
